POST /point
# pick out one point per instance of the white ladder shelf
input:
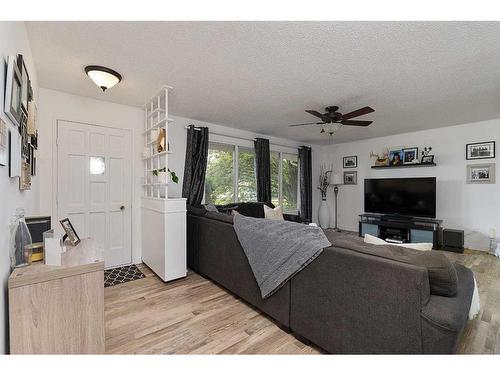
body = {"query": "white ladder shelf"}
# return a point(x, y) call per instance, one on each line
point(163, 217)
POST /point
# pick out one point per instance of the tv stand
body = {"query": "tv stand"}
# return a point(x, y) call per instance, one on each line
point(401, 229)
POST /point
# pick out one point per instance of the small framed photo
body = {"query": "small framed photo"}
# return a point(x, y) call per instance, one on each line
point(410, 155)
point(428, 159)
point(351, 178)
point(350, 161)
point(395, 157)
point(70, 232)
point(481, 173)
point(482, 150)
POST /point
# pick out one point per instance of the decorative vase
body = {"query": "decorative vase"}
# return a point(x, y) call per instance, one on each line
point(20, 239)
point(324, 214)
point(163, 178)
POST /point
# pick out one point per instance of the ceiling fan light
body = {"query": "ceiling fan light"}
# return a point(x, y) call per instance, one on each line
point(103, 77)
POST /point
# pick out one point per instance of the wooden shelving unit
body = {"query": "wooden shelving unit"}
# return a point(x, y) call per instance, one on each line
point(404, 166)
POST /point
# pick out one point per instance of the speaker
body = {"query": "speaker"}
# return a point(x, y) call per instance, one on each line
point(453, 240)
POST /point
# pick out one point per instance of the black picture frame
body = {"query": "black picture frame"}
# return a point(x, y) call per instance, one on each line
point(469, 156)
point(346, 159)
point(25, 83)
point(70, 231)
point(13, 91)
point(407, 152)
point(427, 159)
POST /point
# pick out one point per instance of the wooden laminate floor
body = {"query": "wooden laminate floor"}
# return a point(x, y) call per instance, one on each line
point(195, 316)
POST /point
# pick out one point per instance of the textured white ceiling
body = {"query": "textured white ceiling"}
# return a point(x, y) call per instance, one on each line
point(261, 76)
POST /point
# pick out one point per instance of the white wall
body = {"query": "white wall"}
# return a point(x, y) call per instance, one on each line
point(474, 208)
point(56, 105)
point(13, 41)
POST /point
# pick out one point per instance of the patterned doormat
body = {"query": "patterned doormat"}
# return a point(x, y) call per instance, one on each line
point(120, 275)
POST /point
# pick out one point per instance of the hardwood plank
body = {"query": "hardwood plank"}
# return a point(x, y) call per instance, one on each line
point(194, 315)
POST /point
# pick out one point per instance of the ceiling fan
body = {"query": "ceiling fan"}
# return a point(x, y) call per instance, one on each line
point(331, 116)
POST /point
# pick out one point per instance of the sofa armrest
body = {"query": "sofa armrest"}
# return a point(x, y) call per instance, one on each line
point(451, 313)
point(295, 218)
point(444, 318)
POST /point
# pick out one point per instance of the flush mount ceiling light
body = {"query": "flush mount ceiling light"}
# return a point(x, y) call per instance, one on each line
point(103, 77)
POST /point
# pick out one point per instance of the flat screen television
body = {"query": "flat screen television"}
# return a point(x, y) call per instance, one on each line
point(401, 196)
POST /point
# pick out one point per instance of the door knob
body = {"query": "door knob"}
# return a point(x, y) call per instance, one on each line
point(122, 208)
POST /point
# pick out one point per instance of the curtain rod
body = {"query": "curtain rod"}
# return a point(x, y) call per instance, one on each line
point(241, 138)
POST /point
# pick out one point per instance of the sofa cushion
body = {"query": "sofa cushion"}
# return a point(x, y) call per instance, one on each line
point(442, 273)
point(210, 207)
point(253, 209)
point(273, 213)
point(219, 216)
point(198, 211)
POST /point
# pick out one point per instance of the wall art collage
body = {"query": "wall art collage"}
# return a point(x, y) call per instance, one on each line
point(18, 145)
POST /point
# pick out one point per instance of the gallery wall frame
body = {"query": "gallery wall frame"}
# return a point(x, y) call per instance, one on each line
point(481, 173)
point(480, 150)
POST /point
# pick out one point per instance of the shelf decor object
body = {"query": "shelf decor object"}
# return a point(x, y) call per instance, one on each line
point(324, 210)
point(163, 214)
point(404, 166)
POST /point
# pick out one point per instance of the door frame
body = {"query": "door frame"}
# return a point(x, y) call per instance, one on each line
point(55, 176)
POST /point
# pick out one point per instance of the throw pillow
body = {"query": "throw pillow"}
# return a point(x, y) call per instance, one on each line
point(210, 208)
point(273, 213)
point(379, 241)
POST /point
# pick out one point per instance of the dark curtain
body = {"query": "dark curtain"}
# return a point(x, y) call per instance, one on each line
point(305, 168)
point(263, 169)
point(195, 165)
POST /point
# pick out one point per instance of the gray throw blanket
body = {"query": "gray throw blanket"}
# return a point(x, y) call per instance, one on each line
point(277, 250)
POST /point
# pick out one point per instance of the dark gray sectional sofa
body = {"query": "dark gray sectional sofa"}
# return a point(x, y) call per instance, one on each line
point(344, 301)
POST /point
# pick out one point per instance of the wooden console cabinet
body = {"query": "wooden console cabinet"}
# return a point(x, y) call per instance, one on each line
point(59, 309)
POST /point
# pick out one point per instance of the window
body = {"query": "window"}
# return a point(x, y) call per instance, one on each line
point(284, 180)
point(290, 173)
point(247, 183)
point(231, 176)
point(97, 165)
point(275, 178)
point(219, 177)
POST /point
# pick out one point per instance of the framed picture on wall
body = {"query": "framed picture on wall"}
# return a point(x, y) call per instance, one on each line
point(13, 92)
point(480, 150)
point(25, 83)
point(481, 173)
point(350, 178)
point(350, 161)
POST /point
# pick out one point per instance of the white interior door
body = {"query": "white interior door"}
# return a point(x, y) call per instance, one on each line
point(94, 186)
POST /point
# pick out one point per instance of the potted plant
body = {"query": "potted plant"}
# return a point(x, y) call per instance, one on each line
point(165, 177)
